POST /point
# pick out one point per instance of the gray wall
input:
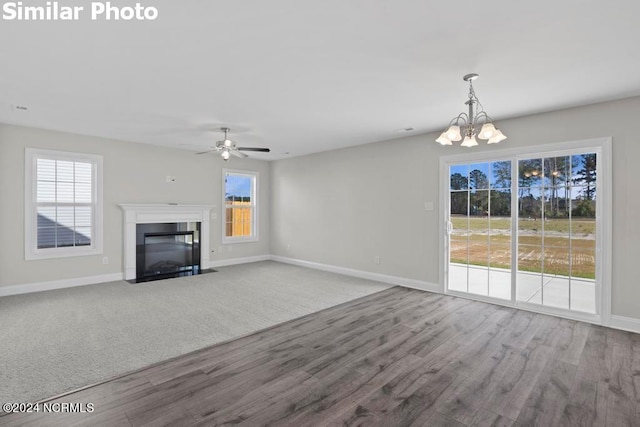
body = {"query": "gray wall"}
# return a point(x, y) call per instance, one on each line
point(133, 173)
point(347, 206)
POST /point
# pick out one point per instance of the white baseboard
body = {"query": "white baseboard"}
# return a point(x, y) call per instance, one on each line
point(92, 280)
point(58, 284)
point(236, 261)
point(625, 323)
point(384, 278)
point(617, 322)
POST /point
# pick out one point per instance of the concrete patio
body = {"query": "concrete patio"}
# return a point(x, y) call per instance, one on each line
point(572, 293)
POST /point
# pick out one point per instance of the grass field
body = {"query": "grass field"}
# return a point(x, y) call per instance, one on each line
point(583, 226)
point(488, 243)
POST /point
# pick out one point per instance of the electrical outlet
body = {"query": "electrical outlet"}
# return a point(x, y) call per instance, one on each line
point(105, 260)
point(376, 259)
point(170, 179)
point(428, 206)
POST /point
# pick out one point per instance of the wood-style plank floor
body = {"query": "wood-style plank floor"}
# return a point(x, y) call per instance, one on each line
point(396, 358)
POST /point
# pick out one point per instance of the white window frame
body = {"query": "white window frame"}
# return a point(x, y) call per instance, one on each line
point(255, 176)
point(604, 217)
point(31, 212)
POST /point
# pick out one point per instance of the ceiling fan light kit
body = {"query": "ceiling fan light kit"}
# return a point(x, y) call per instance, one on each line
point(467, 123)
point(228, 148)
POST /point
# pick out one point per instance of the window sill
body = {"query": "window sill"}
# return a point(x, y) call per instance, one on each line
point(62, 253)
point(229, 241)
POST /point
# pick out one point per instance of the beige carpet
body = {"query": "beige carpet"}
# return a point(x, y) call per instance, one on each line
point(55, 341)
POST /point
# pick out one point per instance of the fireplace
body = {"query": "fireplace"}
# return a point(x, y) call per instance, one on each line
point(181, 229)
point(165, 250)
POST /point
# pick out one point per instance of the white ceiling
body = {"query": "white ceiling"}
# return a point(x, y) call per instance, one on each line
point(302, 77)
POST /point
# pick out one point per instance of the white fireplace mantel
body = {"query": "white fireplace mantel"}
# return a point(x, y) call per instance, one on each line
point(135, 213)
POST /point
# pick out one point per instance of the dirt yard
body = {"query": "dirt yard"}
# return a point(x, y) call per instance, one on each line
point(480, 241)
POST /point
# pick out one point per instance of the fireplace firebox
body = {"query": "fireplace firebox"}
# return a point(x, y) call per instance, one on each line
point(165, 250)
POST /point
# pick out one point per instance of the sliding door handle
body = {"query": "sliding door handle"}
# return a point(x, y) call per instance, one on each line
point(449, 227)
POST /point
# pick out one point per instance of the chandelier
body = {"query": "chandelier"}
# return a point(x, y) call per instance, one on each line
point(467, 123)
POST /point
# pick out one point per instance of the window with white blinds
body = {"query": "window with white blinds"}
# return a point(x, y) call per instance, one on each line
point(64, 204)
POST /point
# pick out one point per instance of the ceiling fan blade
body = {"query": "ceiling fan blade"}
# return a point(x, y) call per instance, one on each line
point(237, 154)
point(208, 151)
point(262, 150)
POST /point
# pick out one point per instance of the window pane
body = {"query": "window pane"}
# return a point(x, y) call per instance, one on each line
point(556, 261)
point(459, 249)
point(530, 173)
point(501, 174)
point(530, 203)
point(459, 177)
point(83, 192)
point(238, 188)
point(583, 170)
point(64, 236)
point(65, 216)
point(83, 236)
point(46, 170)
point(583, 262)
point(583, 203)
point(556, 291)
point(582, 295)
point(479, 203)
point(458, 276)
point(459, 204)
point(83, 172)
point(478, 280)
point(557, 171)
point(529, 287)
point(83, 216)
point(500, 203)
point(64, 171)
point(530, 258)
point(64, 192)
point(479, 176)
point(46, 237)
point(557, 202)
point(46, 216)
point(501, 256)
point(46, 192)
point(556, 233)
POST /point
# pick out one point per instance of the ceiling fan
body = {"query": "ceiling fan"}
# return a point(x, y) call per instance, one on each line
point(228, 148)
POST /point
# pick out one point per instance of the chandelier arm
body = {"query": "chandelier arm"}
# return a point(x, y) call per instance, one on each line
point(462, 116)
point(481, 115)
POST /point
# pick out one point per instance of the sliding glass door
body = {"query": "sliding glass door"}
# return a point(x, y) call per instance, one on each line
point(557, 231)
point(524, 229)
point(480, 229)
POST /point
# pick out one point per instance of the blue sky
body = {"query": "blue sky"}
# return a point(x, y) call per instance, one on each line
point(238, 185)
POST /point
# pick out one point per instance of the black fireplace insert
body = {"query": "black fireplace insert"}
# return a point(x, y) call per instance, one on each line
point(166, 250)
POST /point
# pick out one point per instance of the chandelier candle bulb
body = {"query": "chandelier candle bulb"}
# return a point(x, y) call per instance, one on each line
point(487, 131)
point(467, 123)
point(469, 141)
point(453, 133)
